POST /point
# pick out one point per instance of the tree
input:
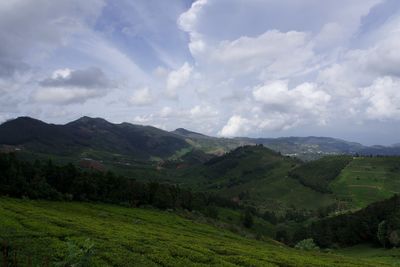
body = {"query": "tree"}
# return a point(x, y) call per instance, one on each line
point(248, 219)
point(381, 235)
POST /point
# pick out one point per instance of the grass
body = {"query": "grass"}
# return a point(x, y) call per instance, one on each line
point(391, 256)
point(365, 180)
point(141, 237)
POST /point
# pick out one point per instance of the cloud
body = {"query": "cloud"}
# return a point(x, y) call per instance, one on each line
point(382, 99)
point(265, 55)
point(202, 111)
point(304, 99)
point(187, 21)
point(73, 86)
point(90, 78)
point(279, 108)
point(29, 33)
point(142, 97)
point(177, 79)
point(231, 67)
point(236, 125)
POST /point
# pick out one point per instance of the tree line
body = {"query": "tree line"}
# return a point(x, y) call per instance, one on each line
point(379, 223)
point(46, 180)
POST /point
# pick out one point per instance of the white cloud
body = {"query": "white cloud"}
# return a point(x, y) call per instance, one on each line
point(305, 99)
point(235, 126)
point(187, 22)
point(201, 111)
point(265, 55)
point(142, 97)
point(382, 99)
point(177, 79)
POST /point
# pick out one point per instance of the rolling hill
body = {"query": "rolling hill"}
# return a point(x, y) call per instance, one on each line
point(256, 176)
point(45, 232)
point(99, 139)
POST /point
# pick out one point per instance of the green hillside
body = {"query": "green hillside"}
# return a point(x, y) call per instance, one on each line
point(368, 179)
point(319, 173)
point(52, 232)
point(256, 176)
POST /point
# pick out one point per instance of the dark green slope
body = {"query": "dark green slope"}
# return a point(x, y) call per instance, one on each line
point(362, 226)
point(320, 173)
point(91, 137)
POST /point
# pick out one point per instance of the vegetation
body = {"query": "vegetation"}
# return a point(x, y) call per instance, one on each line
point(251, 192)
point(254, 176)
point(368, 179)
point(307, 244)
point(379, 223)
point(40, 180)
point(42, 231)
point(320, 173)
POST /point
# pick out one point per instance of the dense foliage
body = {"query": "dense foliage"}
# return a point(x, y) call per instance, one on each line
point(45, 180)
point(377, 223)
point(318, 174)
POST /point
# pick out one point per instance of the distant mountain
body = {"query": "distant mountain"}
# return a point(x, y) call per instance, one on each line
point(315, 147)
point(186, 133)
point(100, 139)
point(210, 144)
point(91, 136)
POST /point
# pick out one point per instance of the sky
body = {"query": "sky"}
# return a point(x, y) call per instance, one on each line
point(257, 68)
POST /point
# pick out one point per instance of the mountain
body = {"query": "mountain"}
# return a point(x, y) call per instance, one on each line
point(189, 134)
point(311, 147)
point(92, 137)
point(99, 139)
point(210, 144)
point(308, 147)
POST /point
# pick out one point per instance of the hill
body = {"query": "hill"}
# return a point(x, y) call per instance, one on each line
point(91, 137)
point(378, 223)
point(320, 173)
point(368, 179)
point(57, 232)
point(256, 176)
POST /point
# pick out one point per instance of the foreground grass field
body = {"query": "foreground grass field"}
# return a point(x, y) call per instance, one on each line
point(140, 237)
point(367, 251)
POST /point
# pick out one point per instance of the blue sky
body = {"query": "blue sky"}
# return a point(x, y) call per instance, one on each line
point(260, 68)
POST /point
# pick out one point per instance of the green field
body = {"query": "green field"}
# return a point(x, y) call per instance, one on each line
point(366, 180)
point(140, 237)
point(367, 251)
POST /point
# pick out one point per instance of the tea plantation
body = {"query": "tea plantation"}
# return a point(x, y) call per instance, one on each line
point(45, 233)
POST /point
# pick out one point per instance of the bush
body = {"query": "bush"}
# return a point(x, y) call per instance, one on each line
point(307, 244)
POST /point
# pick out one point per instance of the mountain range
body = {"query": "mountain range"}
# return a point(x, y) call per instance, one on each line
point(100, 139)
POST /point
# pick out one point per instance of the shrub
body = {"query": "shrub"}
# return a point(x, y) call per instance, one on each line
point(307, 244)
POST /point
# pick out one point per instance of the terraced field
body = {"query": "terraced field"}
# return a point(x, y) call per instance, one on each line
point(42, 231)
point(366, 180)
